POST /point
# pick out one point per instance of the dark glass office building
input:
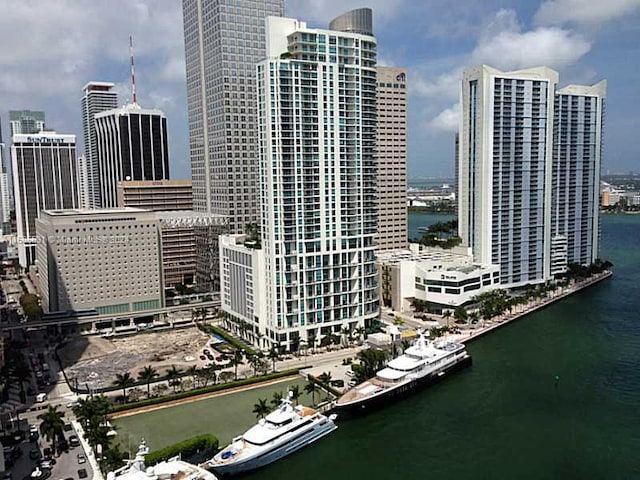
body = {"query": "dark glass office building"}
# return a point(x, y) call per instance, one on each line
point(132, 145)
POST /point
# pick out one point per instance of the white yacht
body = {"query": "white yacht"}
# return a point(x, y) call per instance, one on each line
point(422, 364)
point(280, 433)
point(171, 469)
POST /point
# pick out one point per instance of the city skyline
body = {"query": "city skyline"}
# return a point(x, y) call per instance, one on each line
point(434, 46)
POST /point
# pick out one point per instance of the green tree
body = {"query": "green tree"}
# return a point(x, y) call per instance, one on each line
point(147, 375)
point(225, 377)
point(274, 356)
point(51, 425)
point(124, 381)
point(277, 399)
point(235, 361)
point(325, 378)
point(311, 388)
point(192, 372)
point(174, 375)
point(295, 393)
point(261, 409)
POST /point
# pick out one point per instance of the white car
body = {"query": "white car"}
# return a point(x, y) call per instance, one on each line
point(33, 428)
point(349, 373)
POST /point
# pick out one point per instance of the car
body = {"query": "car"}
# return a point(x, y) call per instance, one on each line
point(7, 476)
point(33, 428)
point(206, 351)
point(72, 404)
point(74, 441)
point(82, 473)
point(349, 373)
point(46, 452)
point(352, 383)
point(202, 357)
point(41, 397)
point(81, 458)
point(67, 427)
point(34, 454)
point(46, 464)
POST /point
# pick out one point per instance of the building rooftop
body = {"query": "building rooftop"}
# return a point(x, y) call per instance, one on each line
point(395, 256)
point(89, 211)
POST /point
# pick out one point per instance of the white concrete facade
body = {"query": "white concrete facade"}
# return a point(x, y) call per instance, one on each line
point(105, 259)
point(505, 170)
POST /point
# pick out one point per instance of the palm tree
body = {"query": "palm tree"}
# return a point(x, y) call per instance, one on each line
point(192, 371)
point(261, 408)
point(325, 378)
point(274, 355)
point(312, 342)
point(235, 361)
point(295, 393)
point(311, 388)
point(446, 315)
point(52, 425)
point(147, 374)
point(173, 376)
point(207, 373)
point(277, 399)
point(124, 381)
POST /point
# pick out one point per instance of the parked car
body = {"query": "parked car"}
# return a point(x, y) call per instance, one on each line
point(47, 452)
point(202, 357)
point(349, 373)
point(81, 458)
point(33, 428)
point(46, 464)
point(68, 427)
point(82, 473)
point(352, 383)
point(41, 397)
point(74, 441)
point(34, 454)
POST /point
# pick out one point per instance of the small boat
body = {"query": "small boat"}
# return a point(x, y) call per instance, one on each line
point(283, 431)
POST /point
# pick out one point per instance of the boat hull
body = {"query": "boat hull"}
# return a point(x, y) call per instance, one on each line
point(277, 452)
point(376, 402)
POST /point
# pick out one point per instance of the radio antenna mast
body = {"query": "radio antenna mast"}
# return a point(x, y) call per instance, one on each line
point(133, 72)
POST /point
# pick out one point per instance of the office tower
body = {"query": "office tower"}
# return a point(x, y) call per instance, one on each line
point(97, 97)
point(106, 259)
point(577, 147)
point(178, 241)
point(44, 178)
point(506, 141)
point(223, 42)
point(6, 202)
point(83, 183)
point(25, 121)
point(456, 166)
point(391, 158)
point(131, 145)
point(317, 128)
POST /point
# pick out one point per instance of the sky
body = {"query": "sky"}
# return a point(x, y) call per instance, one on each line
point(50, 49)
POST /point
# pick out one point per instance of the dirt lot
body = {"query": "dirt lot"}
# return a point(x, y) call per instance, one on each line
point(96, 361)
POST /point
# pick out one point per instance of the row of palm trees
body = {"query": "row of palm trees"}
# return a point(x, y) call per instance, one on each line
point(262, 408)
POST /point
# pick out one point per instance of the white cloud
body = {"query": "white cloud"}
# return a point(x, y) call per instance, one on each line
point(504, 45)
point(447, 120)
point(586, 12)
point(446, 85)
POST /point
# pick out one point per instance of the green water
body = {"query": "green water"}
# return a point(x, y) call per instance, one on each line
point(504, 417)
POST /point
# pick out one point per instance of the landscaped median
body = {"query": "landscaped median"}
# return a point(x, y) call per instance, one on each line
point(202, 391)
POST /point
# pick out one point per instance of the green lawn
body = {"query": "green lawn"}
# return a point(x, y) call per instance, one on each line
point(224, 416)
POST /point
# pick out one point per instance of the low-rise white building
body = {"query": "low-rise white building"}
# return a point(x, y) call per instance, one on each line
point(447, 278)
point(107, 259)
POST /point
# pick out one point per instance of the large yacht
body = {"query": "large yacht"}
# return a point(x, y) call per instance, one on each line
point(283, 431)
point(171, 469)
point(421, 365)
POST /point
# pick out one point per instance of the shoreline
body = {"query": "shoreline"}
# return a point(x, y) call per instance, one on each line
point(505, 319)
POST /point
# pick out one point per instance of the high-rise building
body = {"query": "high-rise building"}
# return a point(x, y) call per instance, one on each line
point(105, 259)
point(6, 199)
point(25, 121)
point(44, 178)
point(132, 145)
point(97, 97)
point(317, 128)
point(506, 141)
point(578, 119)
point(178, 240)
point(391, 158)
point(224, 40)
point(83, 183)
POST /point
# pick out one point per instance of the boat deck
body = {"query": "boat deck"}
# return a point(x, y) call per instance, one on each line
point(366, 389)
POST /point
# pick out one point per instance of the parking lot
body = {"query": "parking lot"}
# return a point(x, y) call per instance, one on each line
point(33, 459)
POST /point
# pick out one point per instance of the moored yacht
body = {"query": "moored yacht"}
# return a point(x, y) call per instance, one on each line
point(172, 469)
point(283, 431)
point(422, 364)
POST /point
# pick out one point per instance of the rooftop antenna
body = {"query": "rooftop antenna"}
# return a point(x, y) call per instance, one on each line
point(133, 71)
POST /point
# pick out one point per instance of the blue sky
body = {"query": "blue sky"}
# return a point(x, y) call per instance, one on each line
point(48, 51)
